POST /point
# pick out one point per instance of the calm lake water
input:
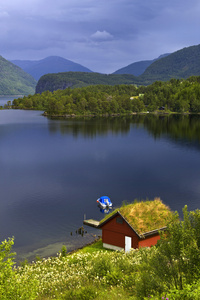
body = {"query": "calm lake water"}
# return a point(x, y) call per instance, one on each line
point(52, 172)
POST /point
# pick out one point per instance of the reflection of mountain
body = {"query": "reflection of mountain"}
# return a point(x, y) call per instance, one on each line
point(177, 126)
point(181, 129)
point(184, 129)
point(91, 127)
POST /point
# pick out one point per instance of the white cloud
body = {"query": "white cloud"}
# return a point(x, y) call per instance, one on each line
point(101, 36)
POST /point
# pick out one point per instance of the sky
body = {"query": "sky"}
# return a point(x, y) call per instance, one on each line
point(102, 35)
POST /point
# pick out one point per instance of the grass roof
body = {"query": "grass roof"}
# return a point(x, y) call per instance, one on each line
point(145, 216)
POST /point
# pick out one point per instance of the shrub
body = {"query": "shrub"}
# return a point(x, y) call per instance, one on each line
point(63, 251)
point(83, 293)
point(6, 268)
point(101, 266)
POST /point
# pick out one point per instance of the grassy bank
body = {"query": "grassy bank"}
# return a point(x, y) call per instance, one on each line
point(169, 270)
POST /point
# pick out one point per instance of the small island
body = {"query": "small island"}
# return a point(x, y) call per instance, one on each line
point(175, 95)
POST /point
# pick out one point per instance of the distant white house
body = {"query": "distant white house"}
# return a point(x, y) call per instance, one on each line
point(136, 97)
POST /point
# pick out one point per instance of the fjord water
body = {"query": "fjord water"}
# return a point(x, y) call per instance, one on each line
point(52, 172)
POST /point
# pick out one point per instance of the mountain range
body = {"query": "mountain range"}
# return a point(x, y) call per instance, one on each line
point(13, 80)
point(180, 64)
point(51, 64)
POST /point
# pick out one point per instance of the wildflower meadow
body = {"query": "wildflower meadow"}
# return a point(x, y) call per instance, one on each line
point(169, 271)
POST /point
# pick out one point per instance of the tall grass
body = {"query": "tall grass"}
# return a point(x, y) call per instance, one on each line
point(76, 276)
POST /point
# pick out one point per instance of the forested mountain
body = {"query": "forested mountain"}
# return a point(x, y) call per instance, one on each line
point(51, 64)
point(53, 82)
point(180, 64)
point(14, 81)
point(137, 68)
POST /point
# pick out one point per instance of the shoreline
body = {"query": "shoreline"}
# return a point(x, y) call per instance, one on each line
point(35, 256)
point(66, 116)
point(73, 116)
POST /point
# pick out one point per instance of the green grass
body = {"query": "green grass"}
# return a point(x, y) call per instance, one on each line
point(94, 247)
point(89, 273)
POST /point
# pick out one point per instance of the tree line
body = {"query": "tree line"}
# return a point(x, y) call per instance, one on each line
point(175, 95)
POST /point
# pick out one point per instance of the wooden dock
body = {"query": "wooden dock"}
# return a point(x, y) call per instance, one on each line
point(91, 223)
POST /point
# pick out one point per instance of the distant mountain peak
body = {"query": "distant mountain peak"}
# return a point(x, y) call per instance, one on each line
point(50, 64)
point(138, 68)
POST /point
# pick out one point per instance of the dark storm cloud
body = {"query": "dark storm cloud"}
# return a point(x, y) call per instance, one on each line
point(102, 35)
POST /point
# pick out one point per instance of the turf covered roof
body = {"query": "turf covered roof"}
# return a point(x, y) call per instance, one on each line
point(144, 216)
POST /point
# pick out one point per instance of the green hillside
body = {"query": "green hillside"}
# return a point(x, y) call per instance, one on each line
point(180, 64)
point(52, 82)
point(14, 81)
point(136, 68)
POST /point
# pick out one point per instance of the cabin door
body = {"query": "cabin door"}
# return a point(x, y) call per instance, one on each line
point(128, 243)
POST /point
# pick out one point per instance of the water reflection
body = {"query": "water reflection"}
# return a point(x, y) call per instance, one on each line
point(182, 129)
point(105, 210)
point(178, 126)
point(91, 127)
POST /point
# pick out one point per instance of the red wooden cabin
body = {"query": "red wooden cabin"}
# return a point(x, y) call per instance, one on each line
point(118, 234)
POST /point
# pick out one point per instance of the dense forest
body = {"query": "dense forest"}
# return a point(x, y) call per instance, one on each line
point(180, 96)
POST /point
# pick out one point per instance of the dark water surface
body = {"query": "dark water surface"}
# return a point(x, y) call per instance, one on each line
point(52, 172)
